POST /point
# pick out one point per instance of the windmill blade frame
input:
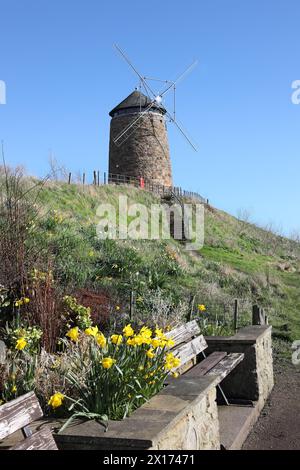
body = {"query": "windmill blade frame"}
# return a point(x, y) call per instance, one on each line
point(182, 131)
point(118, 140)
point(143, 81)
point(178, 79)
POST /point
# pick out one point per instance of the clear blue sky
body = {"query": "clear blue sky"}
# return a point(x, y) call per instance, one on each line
point(63, 77)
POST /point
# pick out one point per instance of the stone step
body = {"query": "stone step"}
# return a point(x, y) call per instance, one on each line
point(235, 424)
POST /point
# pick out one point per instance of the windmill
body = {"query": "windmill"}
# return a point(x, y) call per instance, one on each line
point(138, 138)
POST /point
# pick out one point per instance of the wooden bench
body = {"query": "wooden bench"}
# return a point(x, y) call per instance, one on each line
point(190, 346)
point(17, 415)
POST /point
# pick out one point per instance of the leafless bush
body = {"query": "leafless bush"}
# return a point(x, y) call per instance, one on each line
point(46, 307)
point(160, 310)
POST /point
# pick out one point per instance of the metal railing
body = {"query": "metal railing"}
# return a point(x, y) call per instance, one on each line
point(100, 179)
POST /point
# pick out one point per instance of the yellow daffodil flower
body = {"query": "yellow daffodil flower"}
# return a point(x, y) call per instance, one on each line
point(128, 331)
point(108, 362)
point(150, 353)
point(116, 339)
point(201, 308)
point(92, 331)
point(155, 343)
point(56, 400)
point(101, 340)
point(73, 334)
point(21, 343)
point(146, 332)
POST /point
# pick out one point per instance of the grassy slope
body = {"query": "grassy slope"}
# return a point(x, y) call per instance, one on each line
point(238, 259)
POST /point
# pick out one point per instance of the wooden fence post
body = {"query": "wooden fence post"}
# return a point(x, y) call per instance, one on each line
point(191, 307)
point(98, 178)
point(104, 177)
point(258, 317)
point(236, 315)
point(69, 179)
point(83, 179)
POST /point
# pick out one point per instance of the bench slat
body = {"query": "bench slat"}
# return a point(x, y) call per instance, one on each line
point(40, 440)
point(184, 332)
point(207, 364)
point(226, 365)
point(189, 350)
point(18, 413)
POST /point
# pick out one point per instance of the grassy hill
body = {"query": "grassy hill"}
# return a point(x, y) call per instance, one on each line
point(238, 260)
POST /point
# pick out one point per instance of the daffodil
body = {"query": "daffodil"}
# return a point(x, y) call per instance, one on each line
point(170, 343)
point(56, 400)
point(92, 331)
point(101, 340)
point(116, 339)
point(150, 353)
point(201, 308)
point(128, 331)
point(171, 361)
point(14, 389)
point(146, 332)
point(159, 333)
point(108, 362)
point(131, 342)
point(73, 334)
point(138, 340)
point(21, 343)
point(155, 343)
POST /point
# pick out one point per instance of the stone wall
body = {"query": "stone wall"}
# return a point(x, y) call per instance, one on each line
point(184, 415)
point(253, 378)
point(198, 429)
point(145, 153)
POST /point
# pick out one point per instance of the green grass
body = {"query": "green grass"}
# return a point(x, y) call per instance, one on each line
point(238, 259)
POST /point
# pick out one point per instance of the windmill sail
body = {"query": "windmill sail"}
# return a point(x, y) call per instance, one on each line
point(182, 131)
point(129, 130)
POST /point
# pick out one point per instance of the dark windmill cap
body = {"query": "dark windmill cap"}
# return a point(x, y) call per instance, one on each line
point(134, 101)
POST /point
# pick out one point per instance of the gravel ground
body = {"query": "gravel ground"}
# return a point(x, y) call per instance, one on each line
point(278, 427)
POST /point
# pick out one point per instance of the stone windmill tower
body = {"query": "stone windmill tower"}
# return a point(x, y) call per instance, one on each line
point(143, 150)
point(138, 134)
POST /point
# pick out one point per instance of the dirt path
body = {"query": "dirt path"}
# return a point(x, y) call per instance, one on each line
point(279, 424)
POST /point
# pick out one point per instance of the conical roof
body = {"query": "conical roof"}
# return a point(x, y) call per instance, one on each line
point(135, 100)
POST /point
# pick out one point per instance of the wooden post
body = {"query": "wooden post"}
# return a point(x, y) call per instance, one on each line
point(69, 179)
point(236, 314)
point(95, 178)
point(191, 307)
point(257, 315)
point(98, 178)
point(131, 310)
point(104, 177)
point(83, 179)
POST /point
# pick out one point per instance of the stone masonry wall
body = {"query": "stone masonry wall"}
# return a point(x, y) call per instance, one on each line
point(197, 430)
point(145, 153)
point(253, 378)
point(264, 366)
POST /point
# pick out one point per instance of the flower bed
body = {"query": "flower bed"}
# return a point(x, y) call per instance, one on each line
point(92, 375)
